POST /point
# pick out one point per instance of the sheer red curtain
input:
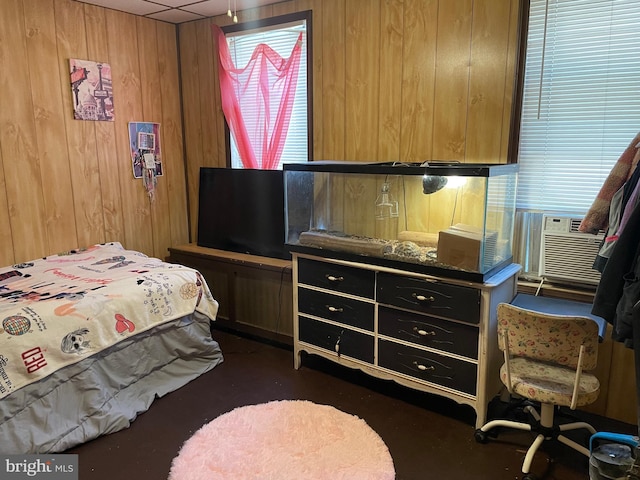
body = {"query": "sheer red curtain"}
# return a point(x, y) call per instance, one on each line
point(257, 100)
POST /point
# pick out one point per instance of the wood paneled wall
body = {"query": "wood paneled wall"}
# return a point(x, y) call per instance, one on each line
point(403, 80)
point(68, 183)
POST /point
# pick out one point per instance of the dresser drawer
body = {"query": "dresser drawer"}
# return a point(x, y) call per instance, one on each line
point(348, 311)
point(429, 331)
point(324, 335)
point(428, 366)
point(340, 278)
point(434, 298)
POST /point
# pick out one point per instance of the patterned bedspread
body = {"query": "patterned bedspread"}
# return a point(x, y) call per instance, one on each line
point(60, 309)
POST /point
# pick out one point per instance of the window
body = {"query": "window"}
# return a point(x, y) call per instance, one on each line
point(281, 34)
point(581, 99)
point(580, 103)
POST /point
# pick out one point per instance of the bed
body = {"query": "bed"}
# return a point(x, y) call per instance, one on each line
point(89, 338)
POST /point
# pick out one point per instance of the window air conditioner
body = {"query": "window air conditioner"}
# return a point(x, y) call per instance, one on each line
point(566, 254)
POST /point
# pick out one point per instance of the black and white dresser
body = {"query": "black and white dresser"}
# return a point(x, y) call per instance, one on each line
point(431, 333)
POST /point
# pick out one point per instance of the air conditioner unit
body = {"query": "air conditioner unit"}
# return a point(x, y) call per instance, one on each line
point(566, 254)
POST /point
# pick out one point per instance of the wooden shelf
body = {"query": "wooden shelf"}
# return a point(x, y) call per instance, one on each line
point(255, 261)
point(254, 292)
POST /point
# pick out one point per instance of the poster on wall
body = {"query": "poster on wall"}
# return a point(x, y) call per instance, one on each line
point(91, 90)
point(144, 141)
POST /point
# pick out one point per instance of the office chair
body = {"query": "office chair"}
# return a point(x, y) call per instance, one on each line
point(546, 358)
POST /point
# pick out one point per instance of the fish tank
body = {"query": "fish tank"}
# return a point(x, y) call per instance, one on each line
point(441, 218)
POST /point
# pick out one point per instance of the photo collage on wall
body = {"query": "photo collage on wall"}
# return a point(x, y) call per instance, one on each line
point(144, 142)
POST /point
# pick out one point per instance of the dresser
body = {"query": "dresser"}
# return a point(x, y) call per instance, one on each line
point(430, 333)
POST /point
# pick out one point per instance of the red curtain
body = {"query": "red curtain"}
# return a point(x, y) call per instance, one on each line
point(264, 90)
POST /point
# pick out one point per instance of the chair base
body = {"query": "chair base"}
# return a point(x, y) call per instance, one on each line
point(546, 429)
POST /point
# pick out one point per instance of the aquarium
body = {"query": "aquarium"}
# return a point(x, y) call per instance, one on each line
point(449, 219)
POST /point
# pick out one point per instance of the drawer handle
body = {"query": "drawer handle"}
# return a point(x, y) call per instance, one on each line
point(331, 278)
point(424, 368)
point(337, 347)
point(422, 298)
point(424, 333)
point(333, 309)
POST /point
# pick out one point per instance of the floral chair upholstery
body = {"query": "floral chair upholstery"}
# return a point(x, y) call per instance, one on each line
point(545, 351)
point(547, 360)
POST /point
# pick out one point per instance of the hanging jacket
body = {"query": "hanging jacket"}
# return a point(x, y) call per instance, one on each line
point(622, 204)
point(619, 289)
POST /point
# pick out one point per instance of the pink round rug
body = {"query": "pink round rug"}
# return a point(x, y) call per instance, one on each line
point(282, 440)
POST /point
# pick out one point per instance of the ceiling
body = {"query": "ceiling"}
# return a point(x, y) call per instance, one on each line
point(178, 11)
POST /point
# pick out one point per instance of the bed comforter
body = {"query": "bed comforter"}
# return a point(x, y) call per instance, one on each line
point(90, 337)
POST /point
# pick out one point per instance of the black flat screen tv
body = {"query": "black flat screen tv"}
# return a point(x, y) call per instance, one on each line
point(242, 210)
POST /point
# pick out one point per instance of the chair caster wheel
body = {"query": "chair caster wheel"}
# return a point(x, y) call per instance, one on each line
point(480, 436)
point(529, 476)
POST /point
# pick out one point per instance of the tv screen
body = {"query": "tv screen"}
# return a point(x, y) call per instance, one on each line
point(242, 210)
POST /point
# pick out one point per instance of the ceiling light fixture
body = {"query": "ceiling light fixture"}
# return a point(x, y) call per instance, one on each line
point(235, 10)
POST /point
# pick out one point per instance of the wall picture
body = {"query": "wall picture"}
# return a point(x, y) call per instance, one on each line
point(144, 142)
point(91, 90)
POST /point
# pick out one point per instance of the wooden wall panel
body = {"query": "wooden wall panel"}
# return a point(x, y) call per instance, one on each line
point(269, 296)
point(605, 356)
point(81, 140)
point(418, 82)
point(220, 125)
point(174, 174)
point(622, 400)
point(451, 80)
point(23, 178)
point(112, 209)
point(390, 74)
point(491, 78)
point(193, 129)
point(510, 78)
point(220, 131)
point(317, 47)
point(284, 8)
point(253, 14)
point(49, 114)
point(362, 78)
point(68, 183)
point(122, 36)
point(6, 247)
point(152, 112)
point(208, 111)
point(333, 93)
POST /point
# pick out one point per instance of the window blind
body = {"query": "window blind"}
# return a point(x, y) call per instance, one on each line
point(581, 99)
point(282, 39)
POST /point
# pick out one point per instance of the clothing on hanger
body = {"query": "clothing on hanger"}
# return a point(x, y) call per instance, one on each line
point(597, 217)
point(621, 206)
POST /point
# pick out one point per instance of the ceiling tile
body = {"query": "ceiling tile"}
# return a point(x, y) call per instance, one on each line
point(209, 8)
point(175, 16)
point(137, 7)
point(212, 8)
point(166, 10)
point(181, 3)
